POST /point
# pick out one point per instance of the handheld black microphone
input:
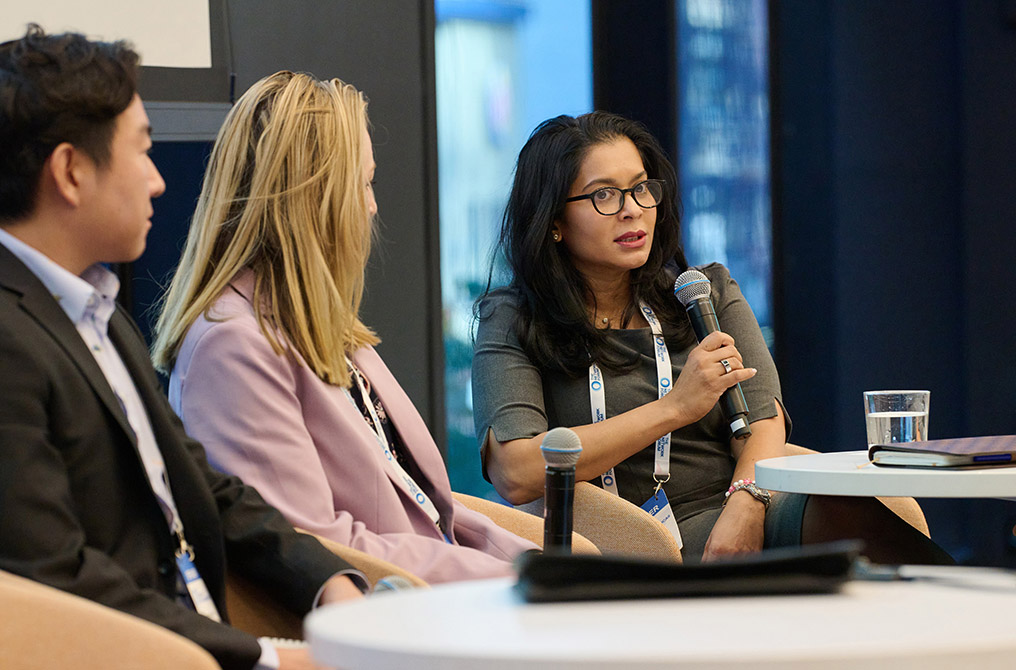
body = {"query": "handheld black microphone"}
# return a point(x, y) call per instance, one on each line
point(561, 449)
point(692, 288)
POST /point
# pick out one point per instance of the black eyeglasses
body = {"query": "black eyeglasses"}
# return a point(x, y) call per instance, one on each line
point(609, 200)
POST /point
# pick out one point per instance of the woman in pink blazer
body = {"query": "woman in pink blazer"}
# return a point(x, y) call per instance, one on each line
point(271, 367)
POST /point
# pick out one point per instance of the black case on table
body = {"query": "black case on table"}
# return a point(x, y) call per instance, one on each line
point(822, 568)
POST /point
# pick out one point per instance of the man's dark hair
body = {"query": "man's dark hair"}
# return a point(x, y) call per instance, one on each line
point(54, 89)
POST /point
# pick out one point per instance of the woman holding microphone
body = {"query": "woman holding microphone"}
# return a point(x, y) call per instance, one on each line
point(588, 334)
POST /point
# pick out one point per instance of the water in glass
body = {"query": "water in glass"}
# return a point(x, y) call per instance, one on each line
point(888, 427)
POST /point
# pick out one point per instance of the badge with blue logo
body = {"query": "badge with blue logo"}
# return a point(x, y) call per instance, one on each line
point(195, 585)
point(659, 507)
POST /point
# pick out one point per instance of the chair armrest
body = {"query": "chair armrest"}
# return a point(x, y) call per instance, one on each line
point(524, 524)
point(373, 567)
point(43, 627)
point(252, 610)
point(906, 508)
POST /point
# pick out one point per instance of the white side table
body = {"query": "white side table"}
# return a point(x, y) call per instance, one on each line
point(485, 625)
point(849, 473)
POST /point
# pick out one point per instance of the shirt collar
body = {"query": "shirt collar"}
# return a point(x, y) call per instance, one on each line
point(69, 290)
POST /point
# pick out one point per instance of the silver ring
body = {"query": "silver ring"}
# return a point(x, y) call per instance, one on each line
point(726, 366)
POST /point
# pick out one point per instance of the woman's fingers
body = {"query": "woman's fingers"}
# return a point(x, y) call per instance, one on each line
point(716, 340)
point(732, 371)
point(718, 377)
point(738, 376)
point(718, 364)
point(720, 346)
point(712, 367)
point(730, 367)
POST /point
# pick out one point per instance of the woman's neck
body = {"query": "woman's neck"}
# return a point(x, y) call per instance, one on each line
point(610, 298)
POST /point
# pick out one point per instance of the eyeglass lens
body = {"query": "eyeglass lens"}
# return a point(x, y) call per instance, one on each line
point(609, 200)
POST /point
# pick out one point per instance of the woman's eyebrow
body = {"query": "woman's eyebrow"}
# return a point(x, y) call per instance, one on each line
point(610, 182)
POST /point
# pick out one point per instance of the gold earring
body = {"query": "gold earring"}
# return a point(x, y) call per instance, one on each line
point(556, 235)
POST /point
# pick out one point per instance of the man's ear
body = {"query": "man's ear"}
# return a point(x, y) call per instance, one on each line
point(67, 168)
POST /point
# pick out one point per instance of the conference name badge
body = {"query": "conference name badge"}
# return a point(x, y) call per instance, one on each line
point(659, 508)
point(196, 588)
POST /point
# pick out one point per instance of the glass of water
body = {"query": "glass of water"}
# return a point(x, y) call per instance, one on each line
point(896, 416)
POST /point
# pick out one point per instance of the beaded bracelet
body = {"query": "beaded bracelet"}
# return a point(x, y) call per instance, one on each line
point(749, 485)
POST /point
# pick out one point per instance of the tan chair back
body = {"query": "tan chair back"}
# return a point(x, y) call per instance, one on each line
point(522, 523)
point(43, 627)
point(616, 526)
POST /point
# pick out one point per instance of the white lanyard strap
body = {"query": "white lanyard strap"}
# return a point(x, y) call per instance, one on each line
point(379, 434)
point(598, 408)
point(598, 404)
point(664, 383)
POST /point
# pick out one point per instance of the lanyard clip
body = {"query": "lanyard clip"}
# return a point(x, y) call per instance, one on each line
point(184, 546)
point(660, 481)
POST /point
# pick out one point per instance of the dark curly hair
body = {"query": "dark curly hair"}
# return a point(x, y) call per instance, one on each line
point(551, 295)
point(54, 89)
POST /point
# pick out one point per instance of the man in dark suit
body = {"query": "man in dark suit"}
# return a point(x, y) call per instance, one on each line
point(101, 492)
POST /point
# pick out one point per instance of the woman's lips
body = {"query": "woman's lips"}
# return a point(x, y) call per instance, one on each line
point(632, 240)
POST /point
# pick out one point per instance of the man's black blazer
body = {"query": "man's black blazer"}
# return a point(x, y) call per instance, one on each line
point(76, 508)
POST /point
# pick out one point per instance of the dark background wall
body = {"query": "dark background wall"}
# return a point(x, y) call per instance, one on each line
point(895, 197)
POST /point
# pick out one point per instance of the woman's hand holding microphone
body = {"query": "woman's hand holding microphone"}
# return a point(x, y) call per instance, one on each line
point(712, 367)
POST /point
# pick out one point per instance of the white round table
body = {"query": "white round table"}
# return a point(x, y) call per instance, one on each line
point(485, 625)
point(849, 473)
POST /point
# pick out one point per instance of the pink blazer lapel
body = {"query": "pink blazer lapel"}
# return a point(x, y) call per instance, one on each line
point(414, 432)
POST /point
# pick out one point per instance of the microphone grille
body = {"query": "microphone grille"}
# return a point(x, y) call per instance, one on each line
point(691, 285)
point(561, 448)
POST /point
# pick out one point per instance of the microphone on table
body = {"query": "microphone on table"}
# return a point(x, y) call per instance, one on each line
point(561, 449)
point(692, 288)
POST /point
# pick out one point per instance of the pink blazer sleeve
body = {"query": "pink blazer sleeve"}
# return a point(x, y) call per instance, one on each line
point(300, 442)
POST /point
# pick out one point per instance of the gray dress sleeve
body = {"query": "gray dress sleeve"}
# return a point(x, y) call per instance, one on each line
point(507, 386)
point(736, 318)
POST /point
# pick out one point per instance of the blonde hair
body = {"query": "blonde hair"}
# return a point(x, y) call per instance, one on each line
point(283, 195)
